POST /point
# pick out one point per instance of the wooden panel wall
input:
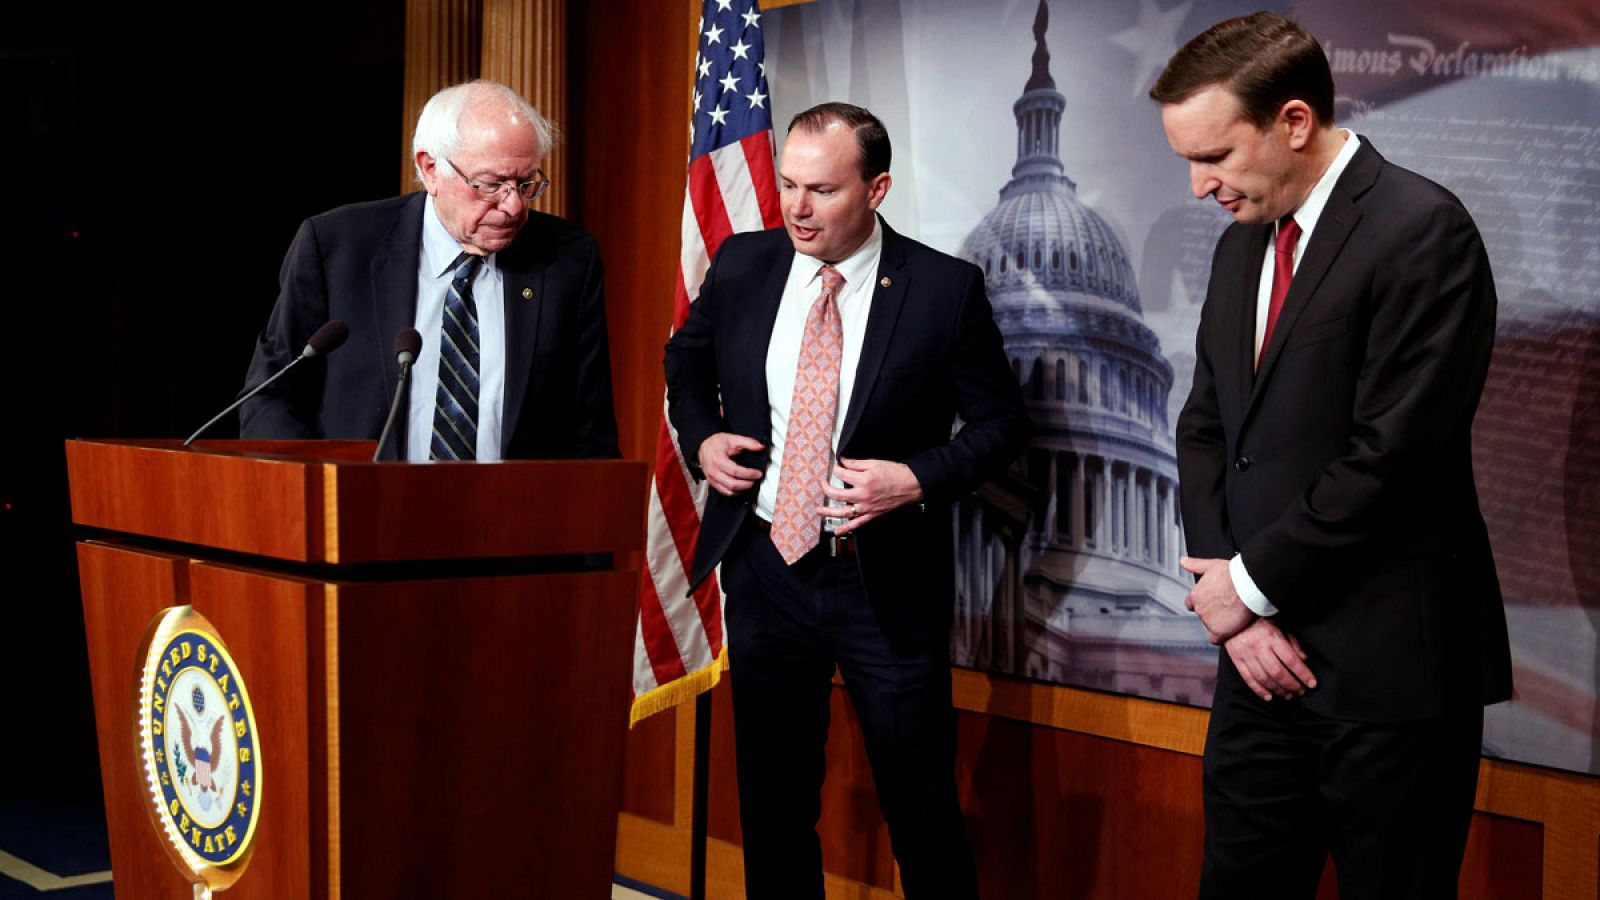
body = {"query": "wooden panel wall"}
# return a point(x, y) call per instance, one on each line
point(630, 121)
point(443, 41)
point(630, 136)
point(1086, 796)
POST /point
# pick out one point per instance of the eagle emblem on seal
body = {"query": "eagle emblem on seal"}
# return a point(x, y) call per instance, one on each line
point(203, 758)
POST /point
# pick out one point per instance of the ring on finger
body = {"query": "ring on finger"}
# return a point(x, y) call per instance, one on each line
point(852, 510)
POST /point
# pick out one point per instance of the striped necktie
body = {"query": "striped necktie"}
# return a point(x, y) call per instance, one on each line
point(455, 415)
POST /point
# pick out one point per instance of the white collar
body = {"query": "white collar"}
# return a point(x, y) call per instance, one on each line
point(1311, 210)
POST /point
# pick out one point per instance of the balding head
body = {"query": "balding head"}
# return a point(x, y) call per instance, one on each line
point(447, 113)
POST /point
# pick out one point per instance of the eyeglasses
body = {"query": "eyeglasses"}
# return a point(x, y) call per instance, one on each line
point(495, 191)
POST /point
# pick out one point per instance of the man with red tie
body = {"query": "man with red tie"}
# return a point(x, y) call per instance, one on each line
point(815, 385)
point(1327, 486)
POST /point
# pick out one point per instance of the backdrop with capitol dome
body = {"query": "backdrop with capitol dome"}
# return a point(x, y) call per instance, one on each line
point(1096, 259)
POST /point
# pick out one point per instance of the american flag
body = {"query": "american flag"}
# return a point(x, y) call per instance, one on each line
point(732, 187)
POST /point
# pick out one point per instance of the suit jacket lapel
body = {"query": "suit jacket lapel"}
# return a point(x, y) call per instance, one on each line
point(394, 303)
point(523, 301)
point(1339, 218)
point(887, 301)
point(1245, 288)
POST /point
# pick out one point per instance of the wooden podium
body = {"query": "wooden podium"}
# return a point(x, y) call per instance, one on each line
point(438, 657)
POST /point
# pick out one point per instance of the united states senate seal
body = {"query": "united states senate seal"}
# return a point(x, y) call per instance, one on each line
point(199, 752)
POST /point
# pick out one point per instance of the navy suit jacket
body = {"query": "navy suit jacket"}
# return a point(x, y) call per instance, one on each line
point(358, 264)
point(1342, 469)
point(931, 354)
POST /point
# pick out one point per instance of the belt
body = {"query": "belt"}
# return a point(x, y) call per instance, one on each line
point(833, 546)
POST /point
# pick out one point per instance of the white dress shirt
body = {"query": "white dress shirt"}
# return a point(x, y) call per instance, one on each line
point(439, 250)
point(860, 271)
point(1306, 217)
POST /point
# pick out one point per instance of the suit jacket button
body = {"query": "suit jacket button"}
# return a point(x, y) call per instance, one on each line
point(1242, 464)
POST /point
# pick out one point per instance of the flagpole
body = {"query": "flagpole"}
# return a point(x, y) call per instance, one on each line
point(700, 786)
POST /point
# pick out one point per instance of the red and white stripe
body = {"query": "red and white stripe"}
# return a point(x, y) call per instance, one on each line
point(679, 639)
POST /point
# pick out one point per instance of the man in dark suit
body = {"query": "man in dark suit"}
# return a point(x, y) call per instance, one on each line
point(815, 385)
point(1327, 487)
point(525, 374)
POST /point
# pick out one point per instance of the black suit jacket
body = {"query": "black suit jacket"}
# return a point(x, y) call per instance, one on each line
point(1342, 469)
point(931, 353)
point(358, 264)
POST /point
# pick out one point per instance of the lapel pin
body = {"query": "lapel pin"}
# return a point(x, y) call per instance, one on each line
point(527, 293)
point(885, 281)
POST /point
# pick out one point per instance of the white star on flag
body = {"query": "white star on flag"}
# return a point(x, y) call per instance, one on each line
point(1153, 40)
point(740, 49)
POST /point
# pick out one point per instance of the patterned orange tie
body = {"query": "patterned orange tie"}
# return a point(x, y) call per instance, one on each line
point(808, 442)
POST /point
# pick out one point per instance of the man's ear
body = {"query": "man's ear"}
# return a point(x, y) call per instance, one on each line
point(877, 189)
point(1298, 122)
point(429, 167)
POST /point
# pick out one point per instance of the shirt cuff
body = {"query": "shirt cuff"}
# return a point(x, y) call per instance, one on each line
point(1247, 590)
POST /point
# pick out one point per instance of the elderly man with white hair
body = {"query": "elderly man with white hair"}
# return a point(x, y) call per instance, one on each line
point(509, 303)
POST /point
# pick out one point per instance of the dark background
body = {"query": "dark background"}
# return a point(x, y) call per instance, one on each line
point(155, 160)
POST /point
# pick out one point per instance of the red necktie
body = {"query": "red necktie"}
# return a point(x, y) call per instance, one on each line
point(1282, 274)
point(808, 440)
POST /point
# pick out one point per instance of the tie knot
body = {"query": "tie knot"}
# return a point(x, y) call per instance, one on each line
point(1288, 234)
point(831, 280)
point(466, 266)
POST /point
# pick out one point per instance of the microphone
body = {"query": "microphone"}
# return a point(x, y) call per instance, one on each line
point(406, 345)
point(323, 341)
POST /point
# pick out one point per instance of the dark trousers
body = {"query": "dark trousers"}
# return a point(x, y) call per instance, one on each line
point(788, 626)
point(1285, 787)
